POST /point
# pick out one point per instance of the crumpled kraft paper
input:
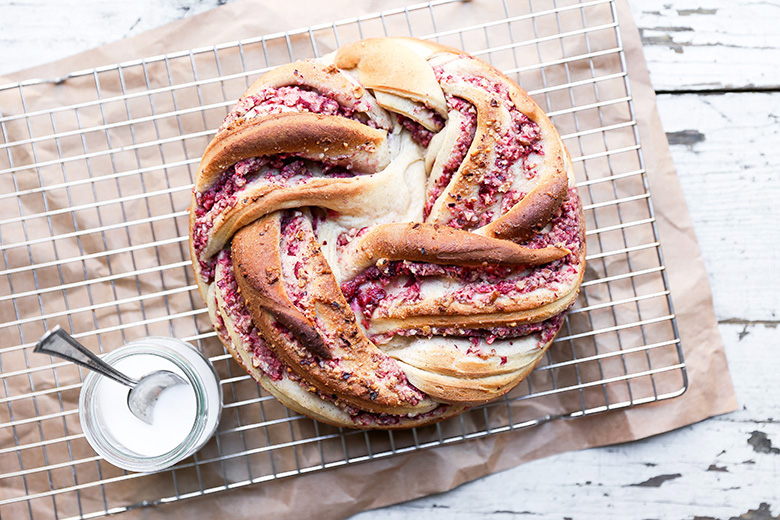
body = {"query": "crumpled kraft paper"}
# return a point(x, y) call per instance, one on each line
point(343, 491)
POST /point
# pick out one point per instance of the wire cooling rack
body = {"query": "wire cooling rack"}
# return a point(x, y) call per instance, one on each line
point(96, 183)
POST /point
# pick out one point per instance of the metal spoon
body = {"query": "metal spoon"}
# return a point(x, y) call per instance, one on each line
point(144, 392)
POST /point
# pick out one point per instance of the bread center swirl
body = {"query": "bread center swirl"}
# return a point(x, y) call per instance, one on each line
point(388, 235)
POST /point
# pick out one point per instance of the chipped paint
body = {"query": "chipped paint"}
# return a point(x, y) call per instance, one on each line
point(743, 333)
point(772, 324)
point(657, 481)
point(664, 40)
point(764, 512)
point(761, 443)
point(666, 29)
point(700, 10)
point(685, 137)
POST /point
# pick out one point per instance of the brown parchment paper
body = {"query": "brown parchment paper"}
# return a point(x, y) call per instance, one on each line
point(343, 491)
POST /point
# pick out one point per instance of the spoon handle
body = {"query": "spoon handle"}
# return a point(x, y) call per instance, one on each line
point(59, 343)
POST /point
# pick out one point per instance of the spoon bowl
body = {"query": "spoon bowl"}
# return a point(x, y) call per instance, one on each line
point(144, 395)
point(144, 392)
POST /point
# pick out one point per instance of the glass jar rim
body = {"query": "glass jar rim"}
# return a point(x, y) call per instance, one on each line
point(124, 458)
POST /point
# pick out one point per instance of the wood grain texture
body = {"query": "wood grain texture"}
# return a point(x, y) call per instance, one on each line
point(725, 148)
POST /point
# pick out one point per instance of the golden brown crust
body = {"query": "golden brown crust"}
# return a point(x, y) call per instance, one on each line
point(257, 201)
point(336, 139)
point(255, 255)
point(533, 212)
point(437, 244)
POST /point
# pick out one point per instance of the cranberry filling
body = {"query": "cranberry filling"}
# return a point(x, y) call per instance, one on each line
point(564, 227)
point(348, 236)
point(369, 419)
point(489, 334)
point(234, 305)
point(486, 336)
point(511, 198)
point(287, 99)
point(296, 233)
point(420, 134)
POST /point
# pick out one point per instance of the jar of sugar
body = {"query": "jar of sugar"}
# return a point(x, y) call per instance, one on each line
point(184, 417)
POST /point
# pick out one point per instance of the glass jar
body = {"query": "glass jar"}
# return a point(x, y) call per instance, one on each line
point(184, 417)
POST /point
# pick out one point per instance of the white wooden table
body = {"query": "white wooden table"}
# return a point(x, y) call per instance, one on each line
point(716, 67)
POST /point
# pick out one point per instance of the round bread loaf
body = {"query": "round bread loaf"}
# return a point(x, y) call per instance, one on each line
point(388, 235)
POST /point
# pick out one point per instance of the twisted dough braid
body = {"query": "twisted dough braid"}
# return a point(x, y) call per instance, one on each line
point(387, 236)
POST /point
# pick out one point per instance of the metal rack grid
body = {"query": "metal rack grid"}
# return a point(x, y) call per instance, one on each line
point(96, 184)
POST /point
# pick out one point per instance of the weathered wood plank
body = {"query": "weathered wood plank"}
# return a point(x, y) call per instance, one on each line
point(725, 148)
point(716, 44)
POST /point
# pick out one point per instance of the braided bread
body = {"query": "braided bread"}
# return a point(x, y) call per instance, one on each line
point(388, 235)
